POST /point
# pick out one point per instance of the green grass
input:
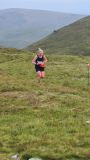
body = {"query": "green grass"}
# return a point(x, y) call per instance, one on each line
point(46, 119)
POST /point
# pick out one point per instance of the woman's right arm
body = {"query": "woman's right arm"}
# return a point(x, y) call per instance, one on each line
point(34, 60)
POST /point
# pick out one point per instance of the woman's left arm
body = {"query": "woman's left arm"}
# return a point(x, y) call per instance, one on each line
point(45, 59)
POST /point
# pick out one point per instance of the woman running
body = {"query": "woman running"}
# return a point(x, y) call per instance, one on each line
point(40, 61)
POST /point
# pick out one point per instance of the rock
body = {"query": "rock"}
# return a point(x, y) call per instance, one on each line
point(35, 158)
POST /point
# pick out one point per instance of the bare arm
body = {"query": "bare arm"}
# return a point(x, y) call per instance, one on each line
point(45, 59)
point(34, 60)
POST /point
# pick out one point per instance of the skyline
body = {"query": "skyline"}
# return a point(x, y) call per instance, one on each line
point(68, 6)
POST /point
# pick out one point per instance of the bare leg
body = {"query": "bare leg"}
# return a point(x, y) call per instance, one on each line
point(38, 75)
point(42, 74)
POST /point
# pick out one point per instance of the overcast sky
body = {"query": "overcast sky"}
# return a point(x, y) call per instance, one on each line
point(68, 6)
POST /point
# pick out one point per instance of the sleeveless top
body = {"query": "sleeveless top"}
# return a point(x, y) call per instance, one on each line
point(38, 59)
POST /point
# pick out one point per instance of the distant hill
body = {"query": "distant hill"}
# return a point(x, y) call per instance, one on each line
point(72, 39)
point(21, 27)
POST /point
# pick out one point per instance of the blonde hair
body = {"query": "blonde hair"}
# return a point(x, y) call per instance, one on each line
point(40, 50)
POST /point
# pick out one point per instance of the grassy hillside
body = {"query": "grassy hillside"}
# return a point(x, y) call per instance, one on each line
point(50, 119)
point(72, 39)
point(21, 27)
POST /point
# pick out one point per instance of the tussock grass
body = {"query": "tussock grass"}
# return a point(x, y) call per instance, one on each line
point(46, 119)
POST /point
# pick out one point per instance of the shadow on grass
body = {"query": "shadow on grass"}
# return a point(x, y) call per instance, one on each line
point(69, 157)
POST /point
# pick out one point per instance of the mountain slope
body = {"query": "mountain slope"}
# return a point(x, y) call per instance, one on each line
point(21, 27)
point(74, 39)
